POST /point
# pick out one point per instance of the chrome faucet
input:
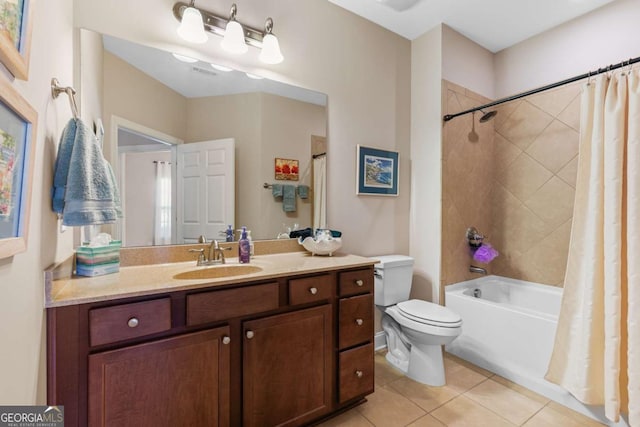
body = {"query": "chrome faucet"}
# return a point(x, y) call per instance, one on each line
point(216, 254)
point(480, 270)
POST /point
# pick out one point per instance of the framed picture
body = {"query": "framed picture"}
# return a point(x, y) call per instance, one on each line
point(18, 121)
point(377, 172)
point(15, 36)
point(287, 169)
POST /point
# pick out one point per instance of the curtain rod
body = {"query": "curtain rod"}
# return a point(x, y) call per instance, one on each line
point(630, 62)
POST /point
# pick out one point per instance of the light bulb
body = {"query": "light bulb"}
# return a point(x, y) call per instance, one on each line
point(191, 28)
point(270, 53)
point(233, 41)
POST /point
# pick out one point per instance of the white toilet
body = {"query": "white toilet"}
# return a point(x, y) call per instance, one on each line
point(415, 329)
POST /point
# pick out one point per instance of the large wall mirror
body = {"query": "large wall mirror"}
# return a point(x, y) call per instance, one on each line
point(193, 146)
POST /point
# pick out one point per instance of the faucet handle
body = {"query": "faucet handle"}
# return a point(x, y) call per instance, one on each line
point(201, 258)
point(202, 239)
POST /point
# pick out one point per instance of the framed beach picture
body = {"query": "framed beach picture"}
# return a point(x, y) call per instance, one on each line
point(15, 36)
point(287, 169)
point(18, 121)
point(377, 172)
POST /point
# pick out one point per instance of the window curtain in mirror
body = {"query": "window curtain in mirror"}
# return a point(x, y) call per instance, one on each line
point(596, 355)
point(320, 192)
point(162, 229)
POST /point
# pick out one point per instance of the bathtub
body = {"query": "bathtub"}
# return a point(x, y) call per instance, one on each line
point(508, 328)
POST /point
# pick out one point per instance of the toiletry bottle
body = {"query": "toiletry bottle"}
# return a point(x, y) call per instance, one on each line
point(244, 247)
point(251, 247)
point(229, 234)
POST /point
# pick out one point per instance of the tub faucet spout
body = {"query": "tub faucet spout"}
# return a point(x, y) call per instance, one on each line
point(480, 270)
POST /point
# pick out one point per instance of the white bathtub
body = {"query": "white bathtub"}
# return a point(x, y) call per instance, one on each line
point(509, 329)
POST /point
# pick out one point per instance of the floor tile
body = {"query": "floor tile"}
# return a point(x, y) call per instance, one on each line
point(388, 408)
point(461, 378)
point(350, 418)
point(427, 397)
point(504, 401)
point(464, 412)
point(522, 390)
point(383, 371)
point(426, 421)
point(550, 417)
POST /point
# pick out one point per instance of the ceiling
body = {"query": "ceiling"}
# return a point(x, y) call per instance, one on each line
point(493, 24)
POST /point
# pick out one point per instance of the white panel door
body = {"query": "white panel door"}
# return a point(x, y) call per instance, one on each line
point(206, 189)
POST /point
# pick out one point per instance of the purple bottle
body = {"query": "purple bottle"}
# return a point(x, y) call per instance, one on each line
point(244, 247)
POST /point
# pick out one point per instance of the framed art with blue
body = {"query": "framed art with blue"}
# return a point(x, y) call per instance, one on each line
point(15, 36)
point(378, 172)
point(18, 122)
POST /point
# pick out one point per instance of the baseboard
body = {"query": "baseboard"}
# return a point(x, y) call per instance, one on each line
point(380, 340)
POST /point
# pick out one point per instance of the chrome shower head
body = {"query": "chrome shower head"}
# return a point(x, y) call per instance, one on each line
point(487, 116)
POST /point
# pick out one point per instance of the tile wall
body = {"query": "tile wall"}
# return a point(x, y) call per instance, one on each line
point(515, 183)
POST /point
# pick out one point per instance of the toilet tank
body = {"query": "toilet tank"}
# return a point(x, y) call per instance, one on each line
point(393, 277)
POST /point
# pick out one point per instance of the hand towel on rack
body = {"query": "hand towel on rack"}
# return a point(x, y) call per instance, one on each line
point(288, 198)
point(303, 191)
point(276, 190)
point(85, 191)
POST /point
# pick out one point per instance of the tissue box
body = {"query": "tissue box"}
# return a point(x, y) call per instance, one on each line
point(96, 261)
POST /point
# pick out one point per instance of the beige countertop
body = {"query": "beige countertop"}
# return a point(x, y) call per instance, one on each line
point(158, 278)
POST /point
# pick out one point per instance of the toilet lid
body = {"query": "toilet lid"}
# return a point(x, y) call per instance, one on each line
point(429, 313)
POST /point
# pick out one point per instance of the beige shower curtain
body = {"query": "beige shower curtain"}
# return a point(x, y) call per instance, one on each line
point(596, 355)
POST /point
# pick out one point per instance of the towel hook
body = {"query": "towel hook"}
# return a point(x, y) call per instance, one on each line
point(56, 90)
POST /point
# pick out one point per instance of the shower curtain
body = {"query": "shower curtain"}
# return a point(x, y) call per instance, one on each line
point(596, 355)
point(162, 210)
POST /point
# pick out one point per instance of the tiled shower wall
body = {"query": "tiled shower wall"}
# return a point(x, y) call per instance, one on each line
point(516, 184)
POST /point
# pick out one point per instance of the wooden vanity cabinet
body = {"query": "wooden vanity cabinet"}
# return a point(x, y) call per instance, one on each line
point(289, 351)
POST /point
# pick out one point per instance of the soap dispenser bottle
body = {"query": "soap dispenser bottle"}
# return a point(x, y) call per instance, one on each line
point(244, 247)
point(229, 234)
point(251, 246)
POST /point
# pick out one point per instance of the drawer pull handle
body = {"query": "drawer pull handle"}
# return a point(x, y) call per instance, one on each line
point(359, 282)
point(249, 334)
point(133, 322)
point(359, 322)
point(359, 374)
point(226, 340)
point(313, 291)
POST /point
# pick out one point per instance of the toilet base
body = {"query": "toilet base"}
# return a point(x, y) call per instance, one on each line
point(426, 365)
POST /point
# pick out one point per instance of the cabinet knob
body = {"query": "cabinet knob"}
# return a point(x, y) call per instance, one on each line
point(133, 322)
point(359, 282)
point(226, 340)
point(249, 334)
point(359, 322)
point(313, 291)
point(359, 374)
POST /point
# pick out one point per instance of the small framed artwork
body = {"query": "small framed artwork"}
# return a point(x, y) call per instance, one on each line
point(18, 121)
point(377, 172)
point(15, 36)
point(286, 169)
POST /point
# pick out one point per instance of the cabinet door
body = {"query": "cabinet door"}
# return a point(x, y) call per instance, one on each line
point(287, 365)
point(179, 381)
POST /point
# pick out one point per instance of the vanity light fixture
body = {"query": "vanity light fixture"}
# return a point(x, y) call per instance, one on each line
point(254, 76)
point(191, 27)
point(184, 58)
point(236, 36)
point(221, 68)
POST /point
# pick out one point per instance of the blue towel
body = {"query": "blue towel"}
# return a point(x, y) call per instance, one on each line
point(84, 186)
point(303, 191)
point(276, 190)
point(288, 198)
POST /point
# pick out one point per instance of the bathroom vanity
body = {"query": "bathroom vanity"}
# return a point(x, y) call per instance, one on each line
point(290, 344)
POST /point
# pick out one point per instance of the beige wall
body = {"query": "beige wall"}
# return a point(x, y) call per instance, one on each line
point(22, 316)
point(515, 184)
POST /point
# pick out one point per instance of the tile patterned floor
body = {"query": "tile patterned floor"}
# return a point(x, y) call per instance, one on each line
point(472, 397)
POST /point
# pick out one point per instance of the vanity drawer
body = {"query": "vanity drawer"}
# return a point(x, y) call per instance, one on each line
point(310, 289)
point(356, 282)
point(356, 320)
point(126, 321)
point(356, 372)
point(226, 304)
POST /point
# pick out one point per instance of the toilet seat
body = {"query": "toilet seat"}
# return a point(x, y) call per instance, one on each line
point(429, 314)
